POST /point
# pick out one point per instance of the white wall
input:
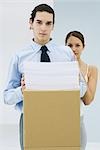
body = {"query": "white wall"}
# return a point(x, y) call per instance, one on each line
point(70, 15)
point(14, 32)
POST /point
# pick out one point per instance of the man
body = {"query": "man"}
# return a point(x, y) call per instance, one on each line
point(41, 23)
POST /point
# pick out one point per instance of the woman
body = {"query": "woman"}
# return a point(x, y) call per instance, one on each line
point(75, 40)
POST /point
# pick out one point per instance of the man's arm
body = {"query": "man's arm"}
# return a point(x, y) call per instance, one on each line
point(82, 82)
point(71, 57)
point(12, 91)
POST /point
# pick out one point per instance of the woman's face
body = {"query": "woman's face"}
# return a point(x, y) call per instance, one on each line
point(76, 45)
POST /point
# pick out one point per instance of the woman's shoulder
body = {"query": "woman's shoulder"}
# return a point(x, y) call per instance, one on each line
point(92, 70)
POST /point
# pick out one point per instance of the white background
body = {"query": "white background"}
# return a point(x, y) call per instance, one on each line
point(70, 15)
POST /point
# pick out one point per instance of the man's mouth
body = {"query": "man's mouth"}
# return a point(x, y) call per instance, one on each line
point(43, 34)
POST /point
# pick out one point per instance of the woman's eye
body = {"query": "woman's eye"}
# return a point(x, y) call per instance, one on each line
point(70, 45)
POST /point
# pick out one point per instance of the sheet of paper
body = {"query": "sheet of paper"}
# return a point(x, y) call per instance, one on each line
point(51, 76)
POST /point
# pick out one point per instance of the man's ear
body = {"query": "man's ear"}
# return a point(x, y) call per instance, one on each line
point(30, 23)
point(53, 27)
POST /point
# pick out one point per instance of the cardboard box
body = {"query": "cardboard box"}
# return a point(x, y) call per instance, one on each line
point(51, 120)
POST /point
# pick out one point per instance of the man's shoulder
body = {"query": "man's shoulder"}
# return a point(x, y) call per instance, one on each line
point(64, 48)
point(65, 52)
point(23, 50)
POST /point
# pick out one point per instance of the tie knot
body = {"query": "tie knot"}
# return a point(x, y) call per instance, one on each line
point(44, 49)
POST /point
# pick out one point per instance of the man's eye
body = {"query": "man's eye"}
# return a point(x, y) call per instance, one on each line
point(48, 23)
point(39, 22)
point(77, 45)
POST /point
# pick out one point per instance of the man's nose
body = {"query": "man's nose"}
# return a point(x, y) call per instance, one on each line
point(43, 27)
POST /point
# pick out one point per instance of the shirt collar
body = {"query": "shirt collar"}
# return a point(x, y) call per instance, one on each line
point(36, 47)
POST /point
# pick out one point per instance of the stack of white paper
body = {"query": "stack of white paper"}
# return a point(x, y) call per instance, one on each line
point(51, 76)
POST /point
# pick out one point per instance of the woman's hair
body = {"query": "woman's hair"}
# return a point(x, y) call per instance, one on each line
point(77, 34)
point(42, 8)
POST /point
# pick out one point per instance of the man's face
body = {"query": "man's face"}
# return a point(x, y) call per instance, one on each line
point(42, 27)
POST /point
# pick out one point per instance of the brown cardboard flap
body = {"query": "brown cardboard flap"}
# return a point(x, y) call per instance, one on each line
point(51, 119)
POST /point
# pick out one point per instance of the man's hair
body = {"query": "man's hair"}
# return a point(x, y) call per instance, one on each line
point(42, 8)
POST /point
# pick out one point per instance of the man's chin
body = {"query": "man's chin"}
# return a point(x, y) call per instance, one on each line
point(43, 40)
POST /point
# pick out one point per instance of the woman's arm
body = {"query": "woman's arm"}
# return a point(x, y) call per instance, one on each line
point(91, 85)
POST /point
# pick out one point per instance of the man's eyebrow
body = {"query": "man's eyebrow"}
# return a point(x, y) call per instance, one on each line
point(38, 20)
point(49, 22)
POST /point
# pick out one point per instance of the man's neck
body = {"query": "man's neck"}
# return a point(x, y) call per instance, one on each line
point(42, 42)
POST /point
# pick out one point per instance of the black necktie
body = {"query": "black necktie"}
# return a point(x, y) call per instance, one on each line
point(44, 55)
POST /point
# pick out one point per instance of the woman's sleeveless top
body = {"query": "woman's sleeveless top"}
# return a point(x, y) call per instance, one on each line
point(81, 102)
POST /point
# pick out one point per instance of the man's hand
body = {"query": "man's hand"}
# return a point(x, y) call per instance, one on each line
point(23, 84)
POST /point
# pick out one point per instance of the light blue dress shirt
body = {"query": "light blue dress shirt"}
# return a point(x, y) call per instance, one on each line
point(12, 92)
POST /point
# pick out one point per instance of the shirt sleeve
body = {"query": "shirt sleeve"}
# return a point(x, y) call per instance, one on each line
point(68, 53)
point(71, 54)
point(82, 82)
point(12, 92)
